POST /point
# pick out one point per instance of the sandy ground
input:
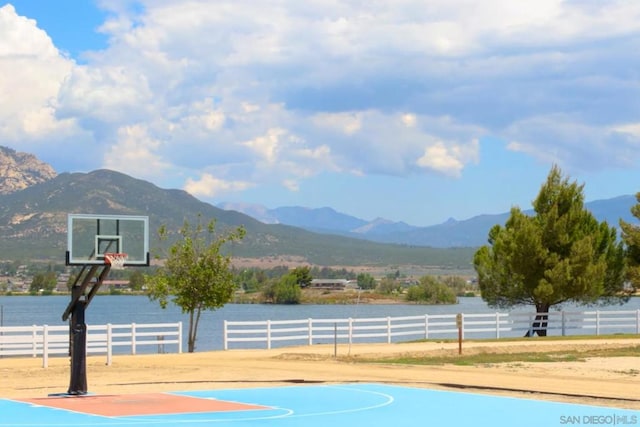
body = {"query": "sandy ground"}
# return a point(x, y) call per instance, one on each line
point(613, 382)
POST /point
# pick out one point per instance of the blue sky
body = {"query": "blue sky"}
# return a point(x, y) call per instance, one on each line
point(411, 110)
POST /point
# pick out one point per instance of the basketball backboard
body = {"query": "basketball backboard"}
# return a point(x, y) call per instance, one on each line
point(90, 236)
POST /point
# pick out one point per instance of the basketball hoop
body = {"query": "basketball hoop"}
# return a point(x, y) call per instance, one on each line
point(115, 260)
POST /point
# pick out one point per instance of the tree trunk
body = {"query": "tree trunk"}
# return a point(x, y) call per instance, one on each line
point(191, 340)
point(194, 319)
point(539, 325)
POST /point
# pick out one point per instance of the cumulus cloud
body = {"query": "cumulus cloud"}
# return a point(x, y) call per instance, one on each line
point(243, 93)
point(209, 186)
point(136, 153)
point(31, 73)
point(448, 159)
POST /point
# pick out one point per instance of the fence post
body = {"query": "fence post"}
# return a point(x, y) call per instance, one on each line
point(269, 334)
point(133, 338)
point(310, 327)
point(225, 331)
point(426, 326)
point(45, 346)
point(179, 337)
point(497, 325)
point(335, 339)
point(350, 330)
point(597, 322)
point(109, 343)
point(34, 341)
point(564, 322)
point(388, 330)
point(460, 327)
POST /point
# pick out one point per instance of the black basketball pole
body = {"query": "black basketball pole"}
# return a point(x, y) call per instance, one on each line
point(78, 345)
point(80, 300)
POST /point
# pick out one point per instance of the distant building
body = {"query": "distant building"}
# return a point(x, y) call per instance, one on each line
point(333, 284)
point(119, 284)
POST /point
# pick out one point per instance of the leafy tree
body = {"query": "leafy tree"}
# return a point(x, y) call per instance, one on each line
point(303, 276)
point(560, 254)
point(366, 281)
point(136, 280)
point(631, 238)
point(284, 291)
point(388, 286)
point(196, 275)
point(43, 281)
point(247, 280)
point(456, 283)
point(430, 290)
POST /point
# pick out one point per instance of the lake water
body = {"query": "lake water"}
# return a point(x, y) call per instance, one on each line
point(30, 310)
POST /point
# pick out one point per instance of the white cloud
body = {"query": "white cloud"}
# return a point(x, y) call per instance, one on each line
point(448, 159)
point(210, 186)
point(254, 93)
point(409, 120)
point(291, 185)
point(347, 122)
point(110, 94)
point(632, 129)
point(136, 153)
point(579, 146)
point(31, 73)
point(267, 146)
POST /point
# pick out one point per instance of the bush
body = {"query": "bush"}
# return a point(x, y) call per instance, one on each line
point(431, 291)
point(285, 291)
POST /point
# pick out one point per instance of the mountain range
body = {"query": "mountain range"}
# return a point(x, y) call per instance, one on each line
point(35, 203)
point(471, 232)
point(33, 225)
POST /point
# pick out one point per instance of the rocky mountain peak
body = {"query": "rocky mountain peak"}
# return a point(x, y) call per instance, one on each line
point(21, 170)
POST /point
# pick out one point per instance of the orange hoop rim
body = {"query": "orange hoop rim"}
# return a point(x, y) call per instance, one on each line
point(115, 259)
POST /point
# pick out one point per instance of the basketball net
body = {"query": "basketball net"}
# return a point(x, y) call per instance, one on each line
point(116, 260)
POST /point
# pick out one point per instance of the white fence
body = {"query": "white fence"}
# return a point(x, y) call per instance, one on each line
point(269, 333)
point(48, 341)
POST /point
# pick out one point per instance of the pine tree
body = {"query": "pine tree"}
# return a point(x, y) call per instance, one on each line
point(631, 239)
point(560, 254)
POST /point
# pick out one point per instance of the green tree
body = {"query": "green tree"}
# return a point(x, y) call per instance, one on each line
point(631, 239)
point(195, 275)
point(431, 290)
point(560, 254)
point(136, 280)
point(388, 286)
point(303, 276)
point(366, 281)
point(45, 282)
point(284, 291)
point(456, 283)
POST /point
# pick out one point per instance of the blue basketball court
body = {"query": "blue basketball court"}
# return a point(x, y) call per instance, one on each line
point(310, 406)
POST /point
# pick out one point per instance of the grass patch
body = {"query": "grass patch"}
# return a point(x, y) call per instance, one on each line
point(535, 338)
point(495, 358)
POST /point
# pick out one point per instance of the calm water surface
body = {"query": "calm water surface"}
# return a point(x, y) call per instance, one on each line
point(29, 310)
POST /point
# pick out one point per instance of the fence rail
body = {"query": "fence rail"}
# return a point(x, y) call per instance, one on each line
point(44, 340)
point(269, 333)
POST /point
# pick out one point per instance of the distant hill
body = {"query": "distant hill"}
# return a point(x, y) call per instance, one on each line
point(33, 224)
point(471, 232)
